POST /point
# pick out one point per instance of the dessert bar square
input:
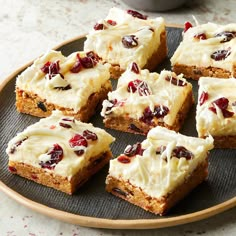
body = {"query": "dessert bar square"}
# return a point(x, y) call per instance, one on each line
point(160, 171)
point(59, 152)
point(216, 111)
point(127, 36)
point(76, 85)
point(143, 100)
point(207, 50)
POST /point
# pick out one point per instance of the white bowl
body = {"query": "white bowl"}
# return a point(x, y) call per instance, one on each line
point(154, 5)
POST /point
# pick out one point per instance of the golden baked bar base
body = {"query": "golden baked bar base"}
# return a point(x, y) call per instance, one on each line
point(161, 206)
point(128, 124)
point(41, 176)
point(195, 73)
point(157, 57)
point(32, 104)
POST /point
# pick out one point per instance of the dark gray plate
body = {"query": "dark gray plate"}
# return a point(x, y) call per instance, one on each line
point(92, 200)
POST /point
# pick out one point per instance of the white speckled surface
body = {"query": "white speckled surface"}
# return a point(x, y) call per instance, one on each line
point(27, 30)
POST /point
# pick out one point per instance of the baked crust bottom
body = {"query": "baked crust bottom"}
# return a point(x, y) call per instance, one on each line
point(161, 206)
point(128, 124)
point(41, 176)
point(32, 104)
point(157, 57)
point(195, 73)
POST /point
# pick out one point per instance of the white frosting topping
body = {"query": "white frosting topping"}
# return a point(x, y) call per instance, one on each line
point(195, 52)
point(212, 123)
point(40, 137)
point(162, 92)
point(159, 174)
point(82, 84)
point(108, 45)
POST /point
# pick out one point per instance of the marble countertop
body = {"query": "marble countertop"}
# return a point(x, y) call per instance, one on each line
point(28, 30)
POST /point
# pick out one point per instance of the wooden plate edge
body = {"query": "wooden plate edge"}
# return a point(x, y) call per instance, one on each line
point(117, 224)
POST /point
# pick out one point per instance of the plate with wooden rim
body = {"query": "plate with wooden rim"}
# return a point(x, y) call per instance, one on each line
point(92, 206)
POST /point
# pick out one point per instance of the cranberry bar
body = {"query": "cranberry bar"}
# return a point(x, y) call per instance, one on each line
point(216, 111)
point(143, 100)
point(160, 171)
point(76, 85)
point(127, 36)
point(206, 50)
point(59, 152)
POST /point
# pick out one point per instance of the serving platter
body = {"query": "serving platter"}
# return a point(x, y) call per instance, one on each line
point(92, 206)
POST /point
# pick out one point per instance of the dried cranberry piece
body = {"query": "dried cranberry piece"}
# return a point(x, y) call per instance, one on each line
point(222, 103)
point(111, 105)
point(124, 159)
point(159, 112)
point(56, 153)
point(132, 86)
point(89, 135)
point(204, 97)
point(76, 141)
point(98, 26)
point(147, 116)
point(139, 85)
point(137, 14)
point(12, 169)
point(227, 113)
point(135, 68)
point(93, 55)
point(180, 151)
point(87, 62)
point(160, 149)
point(34, 176)
point(228, 35)
point(220, 55)
point(143, 89)
point(187, 25)
point(111, 22)
point(213, 109)
point(68, 119)
point(51, 68)
point(130, 41)
point(17, 144)
point(176, 81)
point(45, 68)
point(201, 36)
point(132, 150)
point(64, 125)
point(76, 67)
